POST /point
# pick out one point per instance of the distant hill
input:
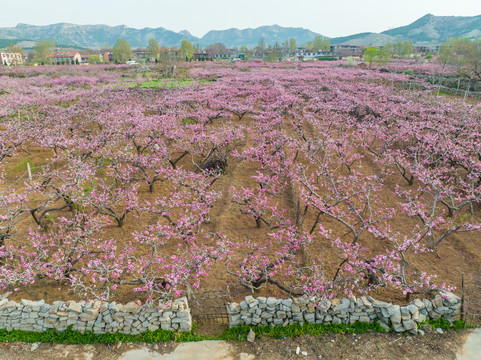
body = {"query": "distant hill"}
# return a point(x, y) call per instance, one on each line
point(250, 37)
point(30, 44)
point(427, 30)
point(4, 43)
point(365, 39)
point(432, 28)
point(94, 36)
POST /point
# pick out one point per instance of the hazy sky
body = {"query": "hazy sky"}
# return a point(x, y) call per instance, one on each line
point(330, 18)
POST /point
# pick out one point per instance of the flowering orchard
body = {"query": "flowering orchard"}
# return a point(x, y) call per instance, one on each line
point(297, 178)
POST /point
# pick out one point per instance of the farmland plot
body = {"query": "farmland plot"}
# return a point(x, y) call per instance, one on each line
point(296, 179)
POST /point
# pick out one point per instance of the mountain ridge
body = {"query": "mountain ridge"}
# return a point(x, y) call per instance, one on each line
point(427, 30)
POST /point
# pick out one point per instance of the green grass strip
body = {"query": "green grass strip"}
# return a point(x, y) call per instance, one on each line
point(239, 333)
point(446, 325)
point(280, 332)
point(70, 336)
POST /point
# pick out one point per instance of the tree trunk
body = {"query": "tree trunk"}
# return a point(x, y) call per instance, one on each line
point(467, 90)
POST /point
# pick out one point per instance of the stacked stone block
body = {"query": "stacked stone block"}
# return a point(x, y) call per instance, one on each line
point(99, 317)
point(271, 311)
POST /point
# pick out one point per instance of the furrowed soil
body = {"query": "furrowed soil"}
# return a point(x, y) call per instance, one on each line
point(454, 257)
point(460, 255)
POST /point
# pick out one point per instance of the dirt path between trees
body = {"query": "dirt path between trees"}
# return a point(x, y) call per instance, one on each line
point(434, 346)
point(472, 347)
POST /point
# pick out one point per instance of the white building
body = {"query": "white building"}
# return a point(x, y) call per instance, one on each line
point(66, 57)
point(310, 54)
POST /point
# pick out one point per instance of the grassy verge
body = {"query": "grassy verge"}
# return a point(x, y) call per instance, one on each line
point(70, 336)
point(156, 84)
point(446, 325)
point(279, 332)
point(443, 92)
point(239, 333)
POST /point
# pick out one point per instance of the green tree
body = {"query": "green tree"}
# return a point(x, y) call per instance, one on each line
point(468, 57)
point(186, 49)
point(274, 53)
point(271, 56)
point(153, 49)
point(292, 45)
point(446, 52)
point(321, 43)
point(260, 49)
point(399, 48)
point(370, 54)
point(389, 49)
point(326, 45)
point(464, 53)
point(248, 54)
point(95, 59)
point(121, 51)
point(42, 51)
point(407, 48)
point(382, 57)
point(373, 54)
point(16, 49)
point(168, 56)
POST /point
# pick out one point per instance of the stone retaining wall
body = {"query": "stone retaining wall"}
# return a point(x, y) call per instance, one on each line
point(272, 311)
point(99, 317)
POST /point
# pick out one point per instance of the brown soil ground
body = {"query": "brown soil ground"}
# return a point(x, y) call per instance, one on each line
point(331, 346)
point(460, 254)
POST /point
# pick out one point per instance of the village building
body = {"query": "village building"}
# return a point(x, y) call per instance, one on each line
point(200, 56)
point(97, 58)
point(426, 49)
point(208, 54)
point(224, 56)
point(107, 55)
point(347, 51)
point(307, 55)
point(66, 57)
point(139, 53)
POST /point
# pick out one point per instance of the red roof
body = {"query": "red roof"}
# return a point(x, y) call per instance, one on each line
point(64, 54)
